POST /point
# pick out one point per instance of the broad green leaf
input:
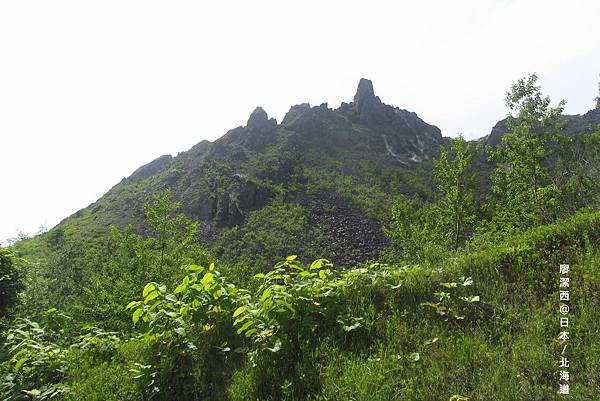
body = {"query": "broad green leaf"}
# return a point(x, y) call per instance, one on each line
point(181, 287)
point(137, 314)
point(20, 363)
point(194, 268)
point(149, 287)
point(250, 332)
point(132, 304)
point(245, 326)
point(171, 298)
point(196, 287)
point(238, 311)
point(151, 296)
point(240, 319)
point(154, 305)
point(207, 281)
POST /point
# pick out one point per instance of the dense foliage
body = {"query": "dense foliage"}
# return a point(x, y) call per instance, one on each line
point(461, 306)
point(10, 280)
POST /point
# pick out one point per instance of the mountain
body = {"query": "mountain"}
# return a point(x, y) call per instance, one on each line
point(318, 184)
point(98, 309)
point(334, 170)
point(574, 124)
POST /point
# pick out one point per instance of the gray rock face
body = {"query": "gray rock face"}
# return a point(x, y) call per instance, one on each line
point(220, 183)
point(244, 195)
point(259, 130)
point(587, 122)
point(574, 124)
point(365, 100)
point(495, 136)
point(356, 237)
point(400, 133)
point(258, 118)
point(296, 112)
point(149, 169)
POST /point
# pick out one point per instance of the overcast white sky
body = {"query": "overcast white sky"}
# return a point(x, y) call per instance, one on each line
point(89, 91)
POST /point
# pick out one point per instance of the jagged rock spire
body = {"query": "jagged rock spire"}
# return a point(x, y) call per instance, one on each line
point(365, 96)
point(257, 118)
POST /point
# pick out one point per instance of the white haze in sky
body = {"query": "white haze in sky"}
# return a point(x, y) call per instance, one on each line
point(89, 91)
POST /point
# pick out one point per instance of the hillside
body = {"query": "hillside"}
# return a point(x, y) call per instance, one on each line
point(336, 169)
point(347, 254)
point(332, 172)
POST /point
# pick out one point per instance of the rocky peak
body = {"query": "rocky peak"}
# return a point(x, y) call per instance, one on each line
point(149, 169)
point(365, 96)
point(295, 112)
point(259, 130)
point(257, 119)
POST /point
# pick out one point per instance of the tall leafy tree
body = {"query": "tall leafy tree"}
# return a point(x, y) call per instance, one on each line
point(10, 280)
point(417, 234)
point(576, 170)
point(524, 192)
point(455, 180)
point(424, 232)
point(128, 260)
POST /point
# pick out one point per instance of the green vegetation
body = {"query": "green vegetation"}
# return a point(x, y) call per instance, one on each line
point(521, 181)
point(269, 235)
point(10, 280)
point(455, 180)
point(462, 305)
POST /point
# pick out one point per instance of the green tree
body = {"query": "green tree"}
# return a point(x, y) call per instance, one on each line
point(173, 236)
point(129, 260)
point(417, 233)
point(454, 180)
point(524, 193)
point(10, 280)
point(576, 170)
point(425, 231)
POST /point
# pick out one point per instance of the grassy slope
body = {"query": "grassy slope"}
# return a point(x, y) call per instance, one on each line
point(504, 349)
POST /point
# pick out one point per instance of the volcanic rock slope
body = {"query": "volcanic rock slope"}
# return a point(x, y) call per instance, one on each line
point(337, 169)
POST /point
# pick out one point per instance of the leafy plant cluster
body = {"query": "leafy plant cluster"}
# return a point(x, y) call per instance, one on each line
point(37, 355)
point(293, 302)
point(11, 280)
point(538, 177)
